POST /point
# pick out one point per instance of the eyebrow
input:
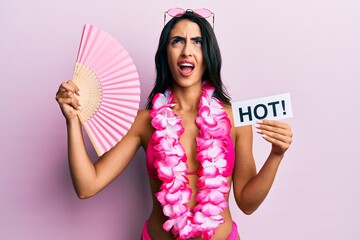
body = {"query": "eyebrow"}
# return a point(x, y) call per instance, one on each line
point(183, 38)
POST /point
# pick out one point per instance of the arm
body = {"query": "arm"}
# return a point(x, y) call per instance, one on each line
point(89, 178)
point(251, 188)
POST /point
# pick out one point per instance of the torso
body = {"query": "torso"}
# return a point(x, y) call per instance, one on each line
point(187, 140)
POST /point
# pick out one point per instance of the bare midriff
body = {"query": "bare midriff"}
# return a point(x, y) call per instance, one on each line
point(157, 218)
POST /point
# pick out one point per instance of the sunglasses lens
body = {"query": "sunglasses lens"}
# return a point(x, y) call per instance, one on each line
point(175, 12)
point(203, 12)
point(178, 12)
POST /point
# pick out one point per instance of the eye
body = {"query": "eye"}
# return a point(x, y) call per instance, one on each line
point(176, 41)
point(198, 41)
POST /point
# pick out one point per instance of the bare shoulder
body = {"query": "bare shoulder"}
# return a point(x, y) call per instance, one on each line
point(238, 132)
point(142, 119)
point(142, 126)
point(228, 110)
point(143, 114)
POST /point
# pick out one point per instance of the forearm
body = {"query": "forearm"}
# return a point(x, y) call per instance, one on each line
point(256, 190)
point(81, 167)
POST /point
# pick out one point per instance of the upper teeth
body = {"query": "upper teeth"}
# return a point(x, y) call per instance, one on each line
point(186, 65)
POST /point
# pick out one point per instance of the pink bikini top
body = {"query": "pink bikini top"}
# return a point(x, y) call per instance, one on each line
point(229, 157)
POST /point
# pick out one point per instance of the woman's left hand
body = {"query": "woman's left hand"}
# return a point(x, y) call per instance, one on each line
point(279, 134)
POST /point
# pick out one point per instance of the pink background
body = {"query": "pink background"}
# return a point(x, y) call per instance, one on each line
point(308, 48)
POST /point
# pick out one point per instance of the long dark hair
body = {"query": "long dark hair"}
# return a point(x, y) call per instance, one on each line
point(211, 54)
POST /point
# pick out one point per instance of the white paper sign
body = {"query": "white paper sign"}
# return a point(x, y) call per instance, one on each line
point(273, 107)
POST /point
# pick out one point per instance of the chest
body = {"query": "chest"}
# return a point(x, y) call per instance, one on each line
point(188, 139)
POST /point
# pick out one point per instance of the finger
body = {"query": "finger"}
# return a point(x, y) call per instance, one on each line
point(273, 123)
point(277, 144)
point(64, 94)
point(68, 98)
point(67, 102)
point(275, 131)
point(67, 89)
point(274, 126)
point(75, 87)
point(278, 137)
point(68, 86)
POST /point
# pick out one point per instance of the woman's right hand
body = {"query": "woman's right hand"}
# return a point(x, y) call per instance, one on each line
point(67, 100)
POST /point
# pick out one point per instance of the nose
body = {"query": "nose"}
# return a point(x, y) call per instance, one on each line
point(187, 50)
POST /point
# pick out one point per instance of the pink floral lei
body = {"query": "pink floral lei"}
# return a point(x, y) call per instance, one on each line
point(170, 162)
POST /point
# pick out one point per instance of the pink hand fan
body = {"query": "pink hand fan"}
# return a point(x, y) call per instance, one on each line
point(109, 88)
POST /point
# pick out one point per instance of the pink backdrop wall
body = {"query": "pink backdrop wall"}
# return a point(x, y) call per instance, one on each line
point(309, 48)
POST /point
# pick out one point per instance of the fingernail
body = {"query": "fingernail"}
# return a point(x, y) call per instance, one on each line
point(257, 125)
point(258, 130)
point(78, 93)
point(260, 121)
point(264, 136)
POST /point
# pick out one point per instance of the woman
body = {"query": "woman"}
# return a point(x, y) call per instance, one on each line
point(193, 153)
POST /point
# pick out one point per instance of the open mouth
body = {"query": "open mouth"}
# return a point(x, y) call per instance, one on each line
point(186, 68)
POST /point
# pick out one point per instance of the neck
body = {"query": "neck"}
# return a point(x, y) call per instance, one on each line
point(187, 99)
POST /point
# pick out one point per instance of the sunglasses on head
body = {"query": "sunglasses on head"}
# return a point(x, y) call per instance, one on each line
point(201, 12)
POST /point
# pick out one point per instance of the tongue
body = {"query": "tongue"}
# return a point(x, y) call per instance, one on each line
point(186, 70)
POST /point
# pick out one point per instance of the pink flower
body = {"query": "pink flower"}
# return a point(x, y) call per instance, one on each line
point(176, 183)
point(212, 152)
point(210, 195)
point(213, 182)
point(174, 210)
point(160, 100)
